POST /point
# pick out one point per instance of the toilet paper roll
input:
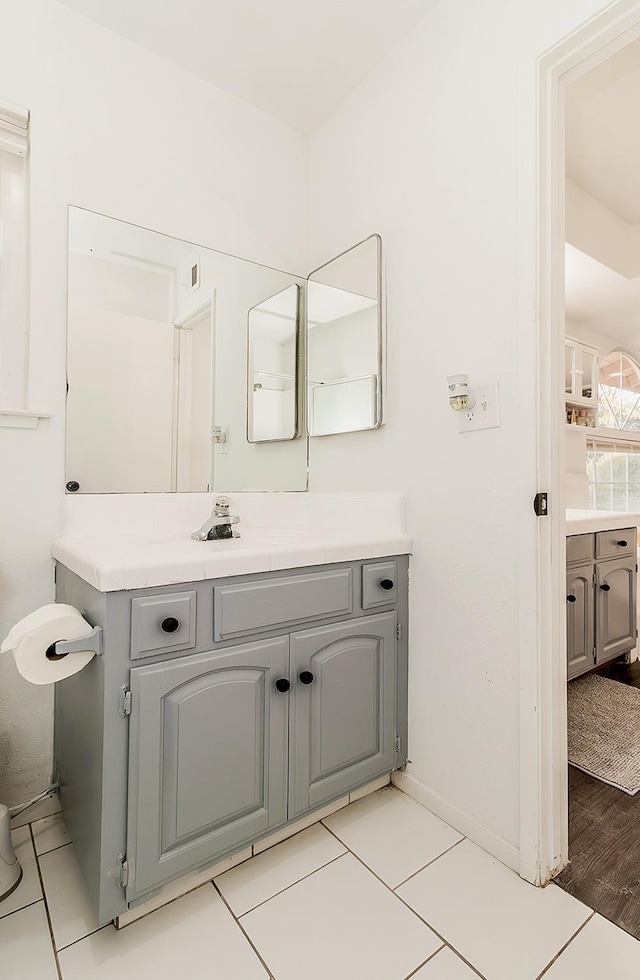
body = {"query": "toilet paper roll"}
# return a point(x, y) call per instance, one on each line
point(32, 637)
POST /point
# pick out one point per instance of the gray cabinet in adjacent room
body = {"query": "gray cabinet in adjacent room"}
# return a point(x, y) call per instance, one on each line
point(601, 598)
point(580, 621)
point(615, 607)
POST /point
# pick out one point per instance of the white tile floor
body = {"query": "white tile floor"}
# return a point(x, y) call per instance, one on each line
point(381, 890)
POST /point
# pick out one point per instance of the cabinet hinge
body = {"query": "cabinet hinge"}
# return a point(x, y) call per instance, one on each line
point(398, 631)
point(122, 876)
point(397, 745)
point(125, 702)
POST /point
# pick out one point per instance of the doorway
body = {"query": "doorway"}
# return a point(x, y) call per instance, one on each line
point(603, 38)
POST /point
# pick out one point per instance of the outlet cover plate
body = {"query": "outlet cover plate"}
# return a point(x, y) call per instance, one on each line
point(485, 414)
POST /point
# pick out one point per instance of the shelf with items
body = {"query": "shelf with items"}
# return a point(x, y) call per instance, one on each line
point(578, 415)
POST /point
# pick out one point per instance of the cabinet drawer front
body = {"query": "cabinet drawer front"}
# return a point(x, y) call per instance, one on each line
point(379, 584)
point(253, 606)
point(163, 623)
point(579, 547)
point(615, 544)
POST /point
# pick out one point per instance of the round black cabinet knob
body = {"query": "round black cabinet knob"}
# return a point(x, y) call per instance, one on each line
point(571, 598)
point(170, 624)
point(606, 587)
point(282, 685)
point(387, 584)
point(305, 677)
point(73, 486)
point(622, 544)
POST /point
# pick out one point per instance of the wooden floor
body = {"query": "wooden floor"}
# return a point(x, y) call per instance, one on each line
point(604, 839)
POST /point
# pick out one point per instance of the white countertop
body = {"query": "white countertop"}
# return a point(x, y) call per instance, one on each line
point(144, 539)
point(588, 521)
point(137, 562)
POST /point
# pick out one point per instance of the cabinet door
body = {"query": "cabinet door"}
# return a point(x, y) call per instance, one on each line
point(586, 374)
point(342, 724)
point(580, 617)
point(569, 367)
point(207, 758)
point(615, 607)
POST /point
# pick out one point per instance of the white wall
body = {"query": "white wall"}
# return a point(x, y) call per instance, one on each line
point(437, 151)
point(117, 130)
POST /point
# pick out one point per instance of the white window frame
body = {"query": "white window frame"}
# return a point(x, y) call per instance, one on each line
point(14, 269)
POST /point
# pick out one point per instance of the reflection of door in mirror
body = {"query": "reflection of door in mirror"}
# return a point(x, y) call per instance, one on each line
point(133, 378)
point(273, 365)
point(193, 400)
point(344, 342)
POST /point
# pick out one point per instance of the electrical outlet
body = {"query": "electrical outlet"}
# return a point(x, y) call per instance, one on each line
point(220, 439)
point(485, 413)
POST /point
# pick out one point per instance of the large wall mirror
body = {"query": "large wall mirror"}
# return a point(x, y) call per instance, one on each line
point(157, 366)
point(344, 337)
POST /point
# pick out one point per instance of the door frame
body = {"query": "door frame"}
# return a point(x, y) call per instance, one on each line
point(182, 327)
point(543, 685)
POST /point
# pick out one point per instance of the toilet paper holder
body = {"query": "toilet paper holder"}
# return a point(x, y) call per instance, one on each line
point(94, 641)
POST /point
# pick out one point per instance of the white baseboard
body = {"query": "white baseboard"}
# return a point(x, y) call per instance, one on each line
point(465, 824)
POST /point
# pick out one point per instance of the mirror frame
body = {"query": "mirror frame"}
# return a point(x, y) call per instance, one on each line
point(381, 338)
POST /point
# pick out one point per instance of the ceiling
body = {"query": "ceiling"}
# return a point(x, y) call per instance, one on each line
point(603, 135)
point(293, 59)
point(601, 299)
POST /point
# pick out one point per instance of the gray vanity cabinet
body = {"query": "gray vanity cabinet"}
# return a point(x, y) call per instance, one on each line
point(615, 607)
point(580, 619)
point(601, 598)
point(220, 710)
point(207, 758)
point(342, 708)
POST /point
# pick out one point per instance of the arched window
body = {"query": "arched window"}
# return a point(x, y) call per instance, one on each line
point(619, 392)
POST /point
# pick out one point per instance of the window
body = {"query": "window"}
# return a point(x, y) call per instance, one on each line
point(614, 477)
point(619, 392)
point(613, 457)
point(14, 139)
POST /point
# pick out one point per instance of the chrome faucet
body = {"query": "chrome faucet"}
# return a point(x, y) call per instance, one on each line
point(219, 525)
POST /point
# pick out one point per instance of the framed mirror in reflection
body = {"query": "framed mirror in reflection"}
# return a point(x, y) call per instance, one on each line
point(157, 366)
point(345, 338)
point(273, 367)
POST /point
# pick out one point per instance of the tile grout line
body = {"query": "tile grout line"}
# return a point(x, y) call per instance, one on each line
point(243, 931)
point(428, 960)
point(8, 915)
point(566, 945)
point(406, 904)
point(427, 865)
point(292, 885)
point(46, 904)
point(58, 847)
